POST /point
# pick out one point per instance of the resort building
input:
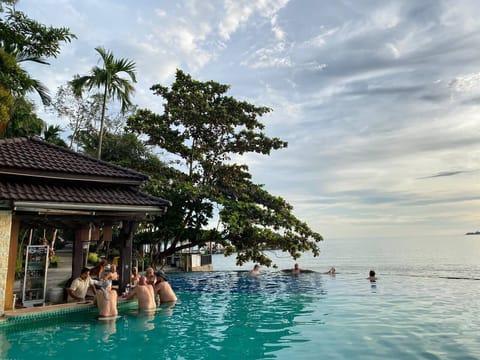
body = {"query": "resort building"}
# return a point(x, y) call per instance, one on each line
point(43, 185)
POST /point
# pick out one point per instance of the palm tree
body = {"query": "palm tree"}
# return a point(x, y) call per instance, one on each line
point(114, 86)
point(51, 134)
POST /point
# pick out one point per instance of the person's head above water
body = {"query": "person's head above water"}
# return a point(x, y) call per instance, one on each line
point(371, 273)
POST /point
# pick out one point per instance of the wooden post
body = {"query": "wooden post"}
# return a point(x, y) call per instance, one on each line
point(81, 235)
point(126, 245)
point(12, 260)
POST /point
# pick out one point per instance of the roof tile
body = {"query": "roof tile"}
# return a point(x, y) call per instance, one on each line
point(85, 194)
point(33, 154)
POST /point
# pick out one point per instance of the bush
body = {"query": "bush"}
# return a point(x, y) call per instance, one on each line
point(93, 258)
point(54, 261)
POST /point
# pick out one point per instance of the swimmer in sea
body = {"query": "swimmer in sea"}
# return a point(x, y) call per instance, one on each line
point(371, 276)
point(331, 271)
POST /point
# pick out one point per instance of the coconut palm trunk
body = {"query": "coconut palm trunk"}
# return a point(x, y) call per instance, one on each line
point(102, 123)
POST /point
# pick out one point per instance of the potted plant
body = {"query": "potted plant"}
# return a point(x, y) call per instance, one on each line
point(54, 260)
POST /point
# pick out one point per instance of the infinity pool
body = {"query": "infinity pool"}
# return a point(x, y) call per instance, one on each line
point(230, 315)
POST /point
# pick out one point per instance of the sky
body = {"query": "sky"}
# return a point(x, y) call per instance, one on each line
point(378, 100)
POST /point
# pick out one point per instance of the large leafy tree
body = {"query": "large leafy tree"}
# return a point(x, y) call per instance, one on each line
point(23, 39)
point(24, 120)
point(201, 130)
point(109, 78)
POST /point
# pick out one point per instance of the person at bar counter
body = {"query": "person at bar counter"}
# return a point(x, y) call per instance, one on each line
point(98, 270)
point(150, 276)
point(107, 301)
point(163, 289)
point(134, 277)
point(79, 287)
point(144, 294)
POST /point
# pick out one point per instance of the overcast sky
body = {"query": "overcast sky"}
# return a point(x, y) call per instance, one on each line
point(378, 100)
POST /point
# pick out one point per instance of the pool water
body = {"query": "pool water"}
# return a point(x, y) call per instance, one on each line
point(230, 315)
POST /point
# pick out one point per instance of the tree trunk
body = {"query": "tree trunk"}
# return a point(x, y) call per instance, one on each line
point(102, 123)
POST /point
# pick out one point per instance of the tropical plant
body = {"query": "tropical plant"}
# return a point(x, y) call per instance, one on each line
point(114, 86)
point(54, 261)
point(51, 134)
point(93, 258)
point(24, 120)
point(23, 39)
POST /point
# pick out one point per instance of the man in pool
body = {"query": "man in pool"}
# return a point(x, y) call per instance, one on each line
point(296, 269)
point(144, 293)
point(150, 276)
point(79, 287)
point(107, 302)
point(371, 276)
point(163, 289)
point(255, 271)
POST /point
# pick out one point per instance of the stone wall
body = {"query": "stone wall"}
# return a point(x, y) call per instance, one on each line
point(5, 233)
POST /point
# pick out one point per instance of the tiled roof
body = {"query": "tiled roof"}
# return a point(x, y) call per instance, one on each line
point(80, 194)
point(33, 156)
point(32, 170)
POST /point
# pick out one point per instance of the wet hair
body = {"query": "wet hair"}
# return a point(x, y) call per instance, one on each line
point(142, 280)
point(372, 273)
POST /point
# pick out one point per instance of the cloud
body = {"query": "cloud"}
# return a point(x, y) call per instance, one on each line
point(238, 12)
point(447, 173)
point(376, 101)
point(465, 82)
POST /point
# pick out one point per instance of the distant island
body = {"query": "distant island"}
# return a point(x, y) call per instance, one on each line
point(473, 233)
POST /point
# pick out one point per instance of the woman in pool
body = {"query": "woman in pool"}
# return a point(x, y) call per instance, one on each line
point(134, 277)
point(97, 271)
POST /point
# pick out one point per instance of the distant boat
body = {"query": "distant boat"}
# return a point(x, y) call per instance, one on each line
point(473, 233)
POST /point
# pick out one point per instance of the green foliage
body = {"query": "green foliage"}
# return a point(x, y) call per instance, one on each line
point(109, 79)
point(202, 128)
point(6, 107)
point(51, 134)
point(24, 121)
point(54, 261)
point(23, 39)
point(93, 258)
point(30, 40)
point(19, 263)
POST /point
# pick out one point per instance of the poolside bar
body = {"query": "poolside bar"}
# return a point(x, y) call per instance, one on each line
point(46, 185)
